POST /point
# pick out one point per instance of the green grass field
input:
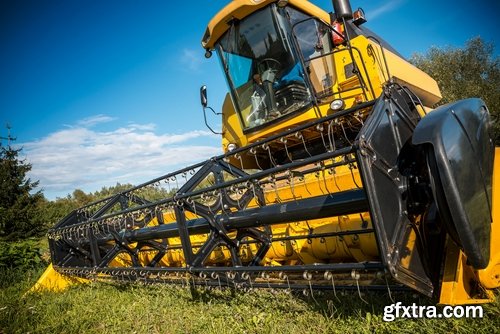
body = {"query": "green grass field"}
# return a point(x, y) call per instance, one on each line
point(106, 308)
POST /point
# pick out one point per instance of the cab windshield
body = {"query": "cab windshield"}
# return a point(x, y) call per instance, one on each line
point(265, 76)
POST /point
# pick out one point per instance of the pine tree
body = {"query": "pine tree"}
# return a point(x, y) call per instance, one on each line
point(18, 206)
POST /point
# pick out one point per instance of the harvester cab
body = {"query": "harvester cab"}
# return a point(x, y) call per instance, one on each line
point(336, 174)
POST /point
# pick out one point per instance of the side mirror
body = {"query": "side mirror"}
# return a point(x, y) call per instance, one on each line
point(203, 96)
point(204, 104)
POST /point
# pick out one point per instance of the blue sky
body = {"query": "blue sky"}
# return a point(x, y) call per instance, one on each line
point(99, 92)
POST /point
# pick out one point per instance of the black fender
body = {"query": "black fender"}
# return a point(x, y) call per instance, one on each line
point(460, 153)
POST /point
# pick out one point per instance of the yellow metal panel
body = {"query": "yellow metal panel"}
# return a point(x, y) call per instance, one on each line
point(461, 284)
point(241, 8)
point(53, 281)
point(490, 276)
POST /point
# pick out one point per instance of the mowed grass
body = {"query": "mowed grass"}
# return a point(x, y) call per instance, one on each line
point(106, 308)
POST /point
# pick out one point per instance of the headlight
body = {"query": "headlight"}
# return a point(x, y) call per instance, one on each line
point(231, 147)
point(337, 105)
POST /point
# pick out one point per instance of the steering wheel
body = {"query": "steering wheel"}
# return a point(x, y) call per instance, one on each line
point(269, 64)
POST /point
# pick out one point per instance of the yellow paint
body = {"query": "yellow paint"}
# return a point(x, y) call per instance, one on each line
point(369, 59)
point(240, 9)
point(461, 281)
point(490, 276)
point(362, 247)
point(53, 281)
point(459, 284)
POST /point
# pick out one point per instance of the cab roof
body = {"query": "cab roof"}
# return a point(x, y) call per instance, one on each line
point(239, 9)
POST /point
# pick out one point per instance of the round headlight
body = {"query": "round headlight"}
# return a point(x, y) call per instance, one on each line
point(337, 105)
point(231, 147)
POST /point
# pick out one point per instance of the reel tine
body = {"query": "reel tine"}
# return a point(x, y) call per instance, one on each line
point(331, 137)
point(284, 141)
point(265, 276)
point(284, 276)
point(299, 135)
point(268, 149)
point(345, 134)
point(238, 156)
point(292, 186)
point(275, 186)
point(320, 129)
point(329, 276)
point(254, 152)
point(308, 276)
point(388, 289)
point(324, 178)
point(356, 276)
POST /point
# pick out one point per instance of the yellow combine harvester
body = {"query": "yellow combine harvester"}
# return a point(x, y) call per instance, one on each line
point(336, 174)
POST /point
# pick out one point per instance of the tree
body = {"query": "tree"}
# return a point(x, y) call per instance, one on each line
point(18, 206)
point(472, 71)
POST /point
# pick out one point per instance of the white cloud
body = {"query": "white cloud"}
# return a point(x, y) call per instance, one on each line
point(88, 159)
point(192, 59)
point(94, 120)
point(387, 7)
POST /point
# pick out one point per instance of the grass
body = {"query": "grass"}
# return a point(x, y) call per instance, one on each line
point(105, 308)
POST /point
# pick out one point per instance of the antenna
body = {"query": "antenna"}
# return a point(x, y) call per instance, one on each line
point(9, 138)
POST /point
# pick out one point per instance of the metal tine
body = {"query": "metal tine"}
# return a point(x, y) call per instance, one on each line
point(246, 276)
point(324, 178)
point(305, 183)
point(168, 185)
point(203, 276)
point(356, 276)
point(351, 167)
point(308, 276)
point(284, 276)
point(334, 173)
point(235, 191)
point(329, 276)
point(174, 178)
point(273, 180)
point(238, 156)
point(265, 146)
point(299, 135)
point(265, 276)
point(194, 282)
point(345, 135)
point(292, 187)
point(388, 289)
point(284, 141)
point(221, 200)
point(228, 165)
point(254, 152)
point(214, 275)
point(190, 201)
point(317, 174)
point(331, 137)
point(320, 129)
point(359, 118)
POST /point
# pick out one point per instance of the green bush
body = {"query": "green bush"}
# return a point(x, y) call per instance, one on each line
point(23, 254)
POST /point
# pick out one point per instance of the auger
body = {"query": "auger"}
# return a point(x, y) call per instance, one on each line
point(336, 173)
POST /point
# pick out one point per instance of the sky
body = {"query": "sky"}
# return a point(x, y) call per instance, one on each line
point(100, 92)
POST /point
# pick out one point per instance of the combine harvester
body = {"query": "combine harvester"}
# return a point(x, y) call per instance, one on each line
point(336, 174)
